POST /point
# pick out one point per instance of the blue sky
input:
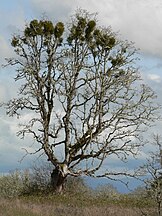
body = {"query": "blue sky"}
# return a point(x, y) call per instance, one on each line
point(139, 21)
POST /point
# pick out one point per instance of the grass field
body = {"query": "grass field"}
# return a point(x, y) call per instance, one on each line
point(65, 205)
point(20, 196)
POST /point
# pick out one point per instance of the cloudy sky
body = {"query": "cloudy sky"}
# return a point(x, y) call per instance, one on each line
point(139, 21)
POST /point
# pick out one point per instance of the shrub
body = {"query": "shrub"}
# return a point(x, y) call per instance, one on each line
point(14, 184)
point(37, 181)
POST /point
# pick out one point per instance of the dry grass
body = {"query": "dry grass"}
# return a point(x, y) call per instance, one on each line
point(43, 207)
point(19, 196)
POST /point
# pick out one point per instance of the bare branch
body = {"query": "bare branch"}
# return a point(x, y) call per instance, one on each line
point(82, 93)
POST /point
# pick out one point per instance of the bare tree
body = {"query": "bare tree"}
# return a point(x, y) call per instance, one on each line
point(153, 175)
point(85, 92)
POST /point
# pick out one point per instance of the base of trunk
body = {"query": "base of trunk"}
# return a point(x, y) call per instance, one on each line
point(57, 181)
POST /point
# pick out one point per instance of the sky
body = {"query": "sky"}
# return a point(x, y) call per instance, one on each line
point(139, 21)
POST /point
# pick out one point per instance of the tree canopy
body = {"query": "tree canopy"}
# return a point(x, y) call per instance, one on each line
point(81, 86)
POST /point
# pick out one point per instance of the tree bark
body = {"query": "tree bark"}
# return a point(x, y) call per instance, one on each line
point(57, 181)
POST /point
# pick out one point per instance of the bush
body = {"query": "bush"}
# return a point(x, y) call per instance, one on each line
point(14, 184)
point(27, 182)
point(76, 185)
point(37, 181)
point(107, 191)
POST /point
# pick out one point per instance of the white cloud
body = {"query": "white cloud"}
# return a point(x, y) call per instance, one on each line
point(154, 77)
point(5, 48)
point(3, 93)
point(139, 21)
point(53, 9)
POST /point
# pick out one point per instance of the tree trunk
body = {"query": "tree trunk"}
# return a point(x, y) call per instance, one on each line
point(57, 180)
